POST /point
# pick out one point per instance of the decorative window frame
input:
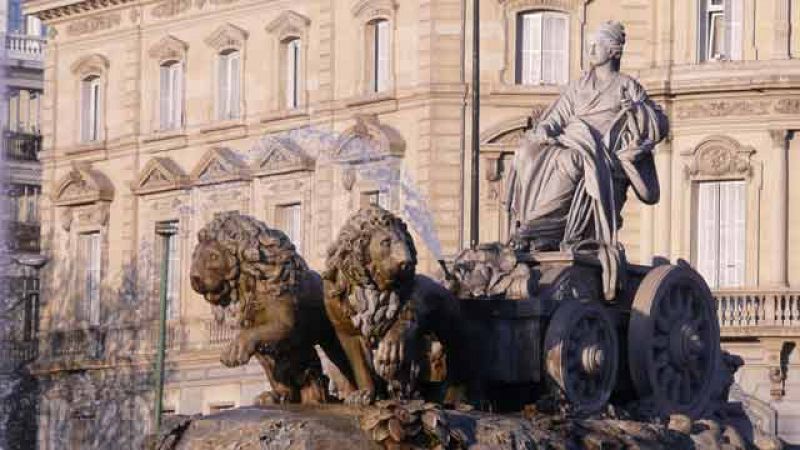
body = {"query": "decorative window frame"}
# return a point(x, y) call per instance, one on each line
point(225, 38)
point(723, 158)
point(219, 165)
point(84, 197)
point(167, 49)
point(505, 79)
point(366, 12)
point(94, 65)
point(287, 26)
point(158, 175)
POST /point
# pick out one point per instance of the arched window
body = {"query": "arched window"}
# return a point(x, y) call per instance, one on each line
point(542, 55)
point(292, 64)
point(228, 84)
point(171, 95)
point(91, 108)
point(379, 55)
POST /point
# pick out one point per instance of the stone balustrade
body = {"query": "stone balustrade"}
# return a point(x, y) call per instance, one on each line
point(758, 313)
point(26, 47)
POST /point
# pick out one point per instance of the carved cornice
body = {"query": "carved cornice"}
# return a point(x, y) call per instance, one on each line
point(281, 156)
point(289, 24)
point(370, 9)
point(160, 174)
point(227, 36)
point(219, 165)
point(94, 24)
point(168, 48)
point(367, 140)
point(519, 5)
point(95, 64)
point(82, 185)
point(723, 108)
point(80, 7)
point(719, 156)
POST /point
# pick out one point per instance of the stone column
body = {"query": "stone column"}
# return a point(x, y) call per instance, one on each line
point(780, 47)
point(776, 274)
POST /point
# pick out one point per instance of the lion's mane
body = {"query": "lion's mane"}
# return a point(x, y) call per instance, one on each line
point(347, 264)
point(261, 253)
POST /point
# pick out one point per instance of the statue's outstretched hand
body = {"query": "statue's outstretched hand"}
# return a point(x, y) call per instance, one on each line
point(634, 153)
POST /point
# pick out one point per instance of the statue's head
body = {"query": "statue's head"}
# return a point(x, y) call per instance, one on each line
point(606, 44)
point(232, 246)
point(373, 249)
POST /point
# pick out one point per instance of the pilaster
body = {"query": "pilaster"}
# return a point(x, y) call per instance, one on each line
point(776, 271)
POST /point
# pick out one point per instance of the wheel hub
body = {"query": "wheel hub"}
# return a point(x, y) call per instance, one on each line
point(592, 359)
point(685, 344)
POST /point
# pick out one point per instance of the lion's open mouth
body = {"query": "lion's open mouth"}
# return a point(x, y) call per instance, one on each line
point(219, 297)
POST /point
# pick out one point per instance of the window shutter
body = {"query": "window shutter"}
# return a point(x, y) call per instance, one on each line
point(292, 62)
point(556, 39)
point(531, 48)
point(222, 86)
point(732, 233)
point(96, 112)
point(236, 79)
point(94, 267)
point(708, 232)
point(383, 55)
point(735, 28)
point(164, 99)
point(86, 101)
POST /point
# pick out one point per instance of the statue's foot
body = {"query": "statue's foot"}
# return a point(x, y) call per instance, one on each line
point(312, 394)
point(268, 398)
point(362, 397)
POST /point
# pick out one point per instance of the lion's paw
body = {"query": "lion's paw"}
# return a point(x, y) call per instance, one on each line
point(268, 398)
point(238, 352)
point(362, 397)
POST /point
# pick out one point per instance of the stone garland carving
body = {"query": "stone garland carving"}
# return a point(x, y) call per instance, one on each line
point(788, 106)
point(716, 157)
point(94, 24)
point(723, 108)
point(170, 8)
point(227, 36)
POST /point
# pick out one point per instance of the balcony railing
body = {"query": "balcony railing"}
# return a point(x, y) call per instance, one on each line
point(16, 352)
point(23, 236)
point(22, 146)
point(23, 46)
point(758, 313)
point(78, 344)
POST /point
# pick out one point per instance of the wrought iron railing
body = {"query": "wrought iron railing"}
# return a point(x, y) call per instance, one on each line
point(86, 343)
point(758, 312)
point(23, 46)
point(22, 146)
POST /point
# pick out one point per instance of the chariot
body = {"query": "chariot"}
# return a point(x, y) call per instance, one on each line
point(656, 342)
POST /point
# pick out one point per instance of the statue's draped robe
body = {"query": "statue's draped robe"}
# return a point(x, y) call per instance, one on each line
point(572, 191)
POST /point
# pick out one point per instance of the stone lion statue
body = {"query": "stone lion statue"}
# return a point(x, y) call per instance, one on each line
point(263, 288)
point(383, 311)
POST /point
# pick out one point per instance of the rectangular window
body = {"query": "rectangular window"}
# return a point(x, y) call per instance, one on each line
point(721, 240)
point(228, 89)
point(542, 48)
point(381, 54)
point(171, 244)
point(23, 201)
point(171, 95)
point(293, 74)
point(720, 30)
point(288, 219)
point(90, 109)
point(89, 260)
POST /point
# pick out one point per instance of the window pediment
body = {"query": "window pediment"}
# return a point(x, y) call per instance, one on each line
point(289, 24)
point(719, 157)
point(95, 64)
point(168, 48)
point(83, 185)
point(219, 165)
point(281, 156)
point(160, 174)
point(371, 9)
point(369, 139)
point(563, 5)
point(227, 37)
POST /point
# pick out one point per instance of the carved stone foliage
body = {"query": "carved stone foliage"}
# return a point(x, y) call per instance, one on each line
point(168, 48)
point(227, 36)
point(219, 165)
point(368, 9)
point(723, 108)
point(281, 156)
point(82, 185)
point(171, 8)
point(369, 139)
point(288, 24)
point(788, 106)
point(160, 174)
point(720, 156)
point(95, 64)
point(94, 24)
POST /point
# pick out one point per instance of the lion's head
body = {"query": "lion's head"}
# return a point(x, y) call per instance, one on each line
point(373, 249)
point(234, 249)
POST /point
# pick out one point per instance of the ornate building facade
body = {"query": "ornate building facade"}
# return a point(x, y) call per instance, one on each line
point(167, 112)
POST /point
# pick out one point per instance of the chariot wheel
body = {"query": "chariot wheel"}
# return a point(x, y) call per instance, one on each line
point(673, 340)
point(581, 353)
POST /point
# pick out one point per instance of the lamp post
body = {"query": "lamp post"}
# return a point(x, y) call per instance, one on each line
point(166, 231)
point(476, 108)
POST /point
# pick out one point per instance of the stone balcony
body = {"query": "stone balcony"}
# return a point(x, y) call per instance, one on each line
point(758, 313)
point(25, 47)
